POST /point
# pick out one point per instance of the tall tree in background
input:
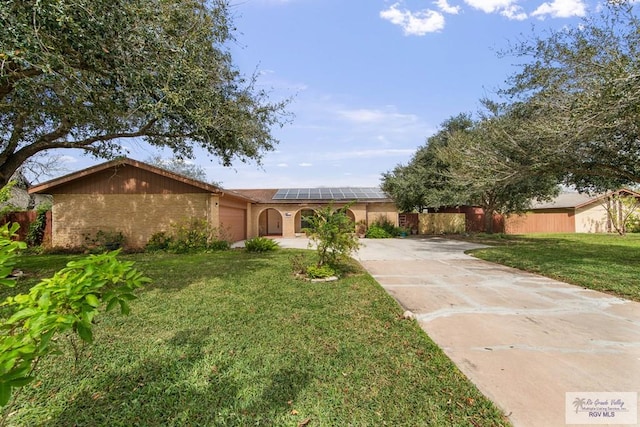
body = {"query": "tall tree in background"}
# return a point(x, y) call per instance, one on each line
point(495, 168)
point(581, 89)
point(85, 73)
point(424, 183)
point(179, 166)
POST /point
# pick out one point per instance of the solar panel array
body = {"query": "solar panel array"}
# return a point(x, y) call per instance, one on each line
point(346, 193)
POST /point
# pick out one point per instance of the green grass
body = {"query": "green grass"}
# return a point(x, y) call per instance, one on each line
point(603, 262)
point(232, 339)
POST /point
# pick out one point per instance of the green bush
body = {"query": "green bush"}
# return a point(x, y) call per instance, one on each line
point(387, 226)
point(322, 272)
point(66, 303)
point(104, 241)
point(218, 245)
point(377, 232)
point(196, 235)
point(261, 244)
point(158, 242)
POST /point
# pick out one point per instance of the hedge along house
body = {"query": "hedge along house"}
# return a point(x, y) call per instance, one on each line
point(282, 212)
point(138, 200)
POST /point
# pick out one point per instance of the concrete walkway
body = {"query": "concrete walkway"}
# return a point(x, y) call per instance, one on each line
point(523, 339)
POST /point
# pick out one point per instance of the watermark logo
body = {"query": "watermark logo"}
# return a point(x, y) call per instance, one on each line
point(601, 407)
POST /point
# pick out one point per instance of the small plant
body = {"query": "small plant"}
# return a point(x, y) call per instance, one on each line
point(387, 226)
point(322, 272)
point(219, 245)
point(159, 241)
point(105, 241)
point(377, 232)
point(66, 303)
point(35, 234)
point(196, 235)
point(261, 244)
point(332, 231)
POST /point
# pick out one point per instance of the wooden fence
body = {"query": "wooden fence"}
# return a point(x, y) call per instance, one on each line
point(442, 223)
point(25, 219)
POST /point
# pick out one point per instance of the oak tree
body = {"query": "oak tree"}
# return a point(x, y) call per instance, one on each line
point(87, 73)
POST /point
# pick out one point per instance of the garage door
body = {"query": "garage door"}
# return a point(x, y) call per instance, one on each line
point(234, 222)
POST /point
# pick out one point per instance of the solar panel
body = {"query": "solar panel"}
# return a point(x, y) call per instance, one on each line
point(344, 193)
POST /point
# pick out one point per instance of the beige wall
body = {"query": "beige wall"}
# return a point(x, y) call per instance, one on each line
point(290, 215)
point(591, 219)
point(136, 216)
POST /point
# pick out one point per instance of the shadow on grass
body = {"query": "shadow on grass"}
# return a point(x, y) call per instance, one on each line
point(164, 392)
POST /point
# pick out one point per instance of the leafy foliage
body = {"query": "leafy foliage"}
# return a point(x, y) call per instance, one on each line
point(320, 272)
point(84, 74)
point(66, 302)
point(377, 232)
point(424, 183)
point(179, 166)
point(105, 240)
point(189, 235)
point(35, 234)
point(261, 244)
point(333, 232)
point(580, 94)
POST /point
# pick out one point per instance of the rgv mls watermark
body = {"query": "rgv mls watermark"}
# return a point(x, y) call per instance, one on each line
point(601, 407)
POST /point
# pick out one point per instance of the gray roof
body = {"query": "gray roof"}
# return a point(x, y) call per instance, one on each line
point(566, 200)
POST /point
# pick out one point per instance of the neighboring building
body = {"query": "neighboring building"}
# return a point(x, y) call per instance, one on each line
point(570, 212)
point(140, 200)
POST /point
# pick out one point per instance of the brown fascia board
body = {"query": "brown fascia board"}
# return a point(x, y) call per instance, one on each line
point(602, 196)
point(45, 186)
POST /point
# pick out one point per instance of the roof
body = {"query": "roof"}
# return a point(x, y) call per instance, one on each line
point(320, 194)
point(50, 186)
point(573, 199)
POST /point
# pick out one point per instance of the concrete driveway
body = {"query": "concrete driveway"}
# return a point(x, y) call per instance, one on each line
point(523, 339)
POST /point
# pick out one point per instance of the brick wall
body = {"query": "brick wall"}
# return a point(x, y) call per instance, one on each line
point(138, 217)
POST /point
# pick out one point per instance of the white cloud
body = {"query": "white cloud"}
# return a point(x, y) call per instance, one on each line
point(507, 8)
point(367, 154)
point(561, 9)
point(414, 23)
point(305, 165)
point(364, 115)
point(444, 6)
point(282, 165)
point(514, 12)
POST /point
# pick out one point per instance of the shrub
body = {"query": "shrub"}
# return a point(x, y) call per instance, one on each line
point(261, 244)
point(320, 272)
point(66, 303)
point(35, 234)
point(105, 241)
point(159, 241)
point(387, 226)
point(218, 245)
point(332, 230)
point(377, 232)
point(194, 235)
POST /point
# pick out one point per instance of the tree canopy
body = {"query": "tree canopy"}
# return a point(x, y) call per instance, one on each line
point(86, 73)
point(580, 88)
point(423, 183)
point(179, 166)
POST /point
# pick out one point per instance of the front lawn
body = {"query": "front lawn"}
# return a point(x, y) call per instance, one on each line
point(231, 338)
point(603, 262)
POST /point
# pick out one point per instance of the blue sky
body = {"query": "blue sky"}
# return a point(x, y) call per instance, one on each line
point(370, 80)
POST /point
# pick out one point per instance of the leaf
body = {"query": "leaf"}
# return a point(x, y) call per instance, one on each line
point(112, 304)
point(85, 333)
point(5, 393)
point(92, 300)
point(124, 307)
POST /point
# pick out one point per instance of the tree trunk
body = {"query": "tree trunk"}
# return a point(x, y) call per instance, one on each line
point(488, 221)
